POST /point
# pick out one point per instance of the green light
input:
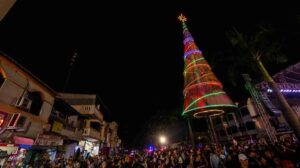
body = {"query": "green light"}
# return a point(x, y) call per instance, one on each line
point(202, 97)
point(195, 61)
point(196, 66)
point(198, 78)
point(208, 106)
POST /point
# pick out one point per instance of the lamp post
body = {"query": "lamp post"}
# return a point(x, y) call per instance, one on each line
point(162, 141)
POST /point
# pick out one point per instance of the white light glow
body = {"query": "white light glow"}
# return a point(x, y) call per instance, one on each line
point(162, 139)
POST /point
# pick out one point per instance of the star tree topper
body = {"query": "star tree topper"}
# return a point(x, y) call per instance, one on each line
point(182, 18)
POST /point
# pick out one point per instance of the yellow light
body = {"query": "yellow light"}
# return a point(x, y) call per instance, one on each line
point(162, 139)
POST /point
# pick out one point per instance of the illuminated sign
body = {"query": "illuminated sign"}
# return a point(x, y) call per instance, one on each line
point(57, 127)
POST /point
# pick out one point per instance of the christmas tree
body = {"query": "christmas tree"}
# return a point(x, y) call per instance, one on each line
point(203, 93)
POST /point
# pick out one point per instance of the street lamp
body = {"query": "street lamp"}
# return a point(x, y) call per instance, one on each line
point(162, 140)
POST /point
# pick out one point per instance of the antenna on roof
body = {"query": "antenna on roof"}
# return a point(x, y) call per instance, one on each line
point(72, 61)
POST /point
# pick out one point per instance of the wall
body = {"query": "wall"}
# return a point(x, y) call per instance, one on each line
point(17, 83)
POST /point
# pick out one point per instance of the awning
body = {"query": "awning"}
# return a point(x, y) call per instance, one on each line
point(22, 140)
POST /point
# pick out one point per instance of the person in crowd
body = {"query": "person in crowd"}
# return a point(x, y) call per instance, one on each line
point(243, 159)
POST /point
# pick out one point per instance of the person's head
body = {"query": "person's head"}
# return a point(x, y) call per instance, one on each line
point(229, 157)
point(268, 154)
point(243, 160)
point(263, 161)
point(252, 153)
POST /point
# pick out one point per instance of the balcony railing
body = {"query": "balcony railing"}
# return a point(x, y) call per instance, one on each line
point(90, 132)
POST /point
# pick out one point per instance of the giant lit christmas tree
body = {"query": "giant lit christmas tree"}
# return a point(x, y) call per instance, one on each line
point(203, 93)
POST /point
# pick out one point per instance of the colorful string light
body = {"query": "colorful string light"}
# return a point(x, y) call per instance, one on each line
point(202, 97)
point(210, 106)
point(202, 91)
point(192, 52)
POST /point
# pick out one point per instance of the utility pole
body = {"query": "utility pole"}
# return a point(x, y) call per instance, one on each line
point(191, 132)
point(73, 59)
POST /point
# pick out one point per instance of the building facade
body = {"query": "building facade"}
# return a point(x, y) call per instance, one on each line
point(25, 102)
point(97, 133)
point(266, 121)
point(36, 118)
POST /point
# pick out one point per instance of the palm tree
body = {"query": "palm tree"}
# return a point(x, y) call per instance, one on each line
point(249, 49)
point(288, 113)
point(261, 38)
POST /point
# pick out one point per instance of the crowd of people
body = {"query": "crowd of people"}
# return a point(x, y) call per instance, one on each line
point(283, 154)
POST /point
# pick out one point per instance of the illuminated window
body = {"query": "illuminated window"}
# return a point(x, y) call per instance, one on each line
point(2, 76)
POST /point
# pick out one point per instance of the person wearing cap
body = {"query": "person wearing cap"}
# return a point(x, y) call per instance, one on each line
point(243, 160)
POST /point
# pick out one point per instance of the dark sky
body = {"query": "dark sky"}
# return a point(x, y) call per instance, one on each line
point(130, 54)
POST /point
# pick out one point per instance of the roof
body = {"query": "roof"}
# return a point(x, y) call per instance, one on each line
point(87, 99)
point(27, 72)
point(289, 75)
point(288, 80)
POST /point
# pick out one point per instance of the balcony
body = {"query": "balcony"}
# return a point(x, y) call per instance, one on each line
point(91, 134)
point(73, 134)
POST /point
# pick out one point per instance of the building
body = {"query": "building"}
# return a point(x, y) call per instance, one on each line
point(248, 120)
point(6, 5)
point(25, 104)
point(33, 116)
point(67, 123)
point(97, 132)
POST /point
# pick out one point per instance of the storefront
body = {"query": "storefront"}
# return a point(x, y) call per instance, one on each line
point(89, 148)
point(16, 153)
point(44, 148)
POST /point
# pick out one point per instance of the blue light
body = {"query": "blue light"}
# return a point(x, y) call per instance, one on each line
point(150, 149)
point(27, 147)
point(191, 52)
point(285, 90)
point(188, 39)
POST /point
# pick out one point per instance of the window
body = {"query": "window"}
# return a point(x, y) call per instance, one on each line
point(87, 108)
point(2, 76)
point(36, 104)
point(250, 125)
point(21, 121)
point(96, 126)
point(13, 120)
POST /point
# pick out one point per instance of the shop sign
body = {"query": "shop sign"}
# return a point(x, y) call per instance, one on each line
point(22, 140)
point(2, 118)
point(57, 127)
point(48, 140)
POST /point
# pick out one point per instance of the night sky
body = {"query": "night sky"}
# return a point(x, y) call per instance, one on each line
point(130, 54)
